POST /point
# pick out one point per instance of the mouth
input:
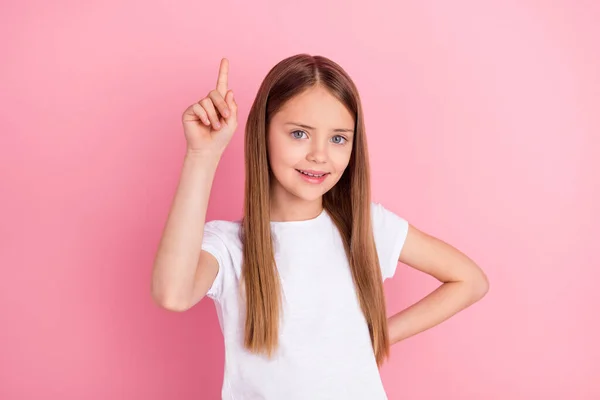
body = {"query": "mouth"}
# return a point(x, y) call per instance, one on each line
point(313, 176)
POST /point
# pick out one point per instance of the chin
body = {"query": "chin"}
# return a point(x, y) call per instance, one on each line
point(309, 196)
point(310, 193)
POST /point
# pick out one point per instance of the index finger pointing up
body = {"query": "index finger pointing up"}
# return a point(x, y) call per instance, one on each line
point(222, 80)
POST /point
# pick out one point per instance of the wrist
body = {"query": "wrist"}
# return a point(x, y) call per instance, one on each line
point(205, 157)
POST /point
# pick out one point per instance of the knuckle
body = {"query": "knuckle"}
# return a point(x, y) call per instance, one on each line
point(200, 112)
point(209, 106)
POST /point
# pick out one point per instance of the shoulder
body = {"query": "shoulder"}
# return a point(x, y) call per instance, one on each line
point(222, 240)
point(227, 231)
point(389, 232)
point(385, 219)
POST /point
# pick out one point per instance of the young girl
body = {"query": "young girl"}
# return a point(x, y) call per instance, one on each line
point(297, 282)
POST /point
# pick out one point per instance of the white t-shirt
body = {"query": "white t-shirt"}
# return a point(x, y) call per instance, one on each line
point(325, 350)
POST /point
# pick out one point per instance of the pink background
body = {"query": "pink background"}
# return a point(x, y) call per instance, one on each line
point(483, 123)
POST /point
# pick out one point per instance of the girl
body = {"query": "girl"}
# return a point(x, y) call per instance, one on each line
point(297, 282)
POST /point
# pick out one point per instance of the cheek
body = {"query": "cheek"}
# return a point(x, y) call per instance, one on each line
point(341, 158)
point(281, 156)
point(285, 154)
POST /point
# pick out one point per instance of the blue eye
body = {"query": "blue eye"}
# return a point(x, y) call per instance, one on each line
point(340, 139)
point(296, 136)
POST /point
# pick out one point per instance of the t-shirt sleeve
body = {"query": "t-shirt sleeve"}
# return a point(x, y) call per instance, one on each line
point(389, 231)
point(213, 242)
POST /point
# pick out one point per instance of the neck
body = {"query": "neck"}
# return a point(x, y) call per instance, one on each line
point(286, 207)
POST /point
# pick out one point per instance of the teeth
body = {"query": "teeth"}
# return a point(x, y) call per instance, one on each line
point(314, 176)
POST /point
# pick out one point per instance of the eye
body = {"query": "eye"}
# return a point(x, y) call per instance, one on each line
point(298, 134)
point(337, 139)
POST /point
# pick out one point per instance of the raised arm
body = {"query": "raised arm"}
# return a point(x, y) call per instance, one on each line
point(182, 273)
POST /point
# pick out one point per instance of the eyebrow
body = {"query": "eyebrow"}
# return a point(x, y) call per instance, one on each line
point(313, 128)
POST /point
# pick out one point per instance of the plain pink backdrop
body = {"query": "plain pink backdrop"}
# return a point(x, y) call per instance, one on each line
point(483, 125)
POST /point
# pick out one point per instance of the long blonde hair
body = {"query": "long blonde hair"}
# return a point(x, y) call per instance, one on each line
point(348, 203)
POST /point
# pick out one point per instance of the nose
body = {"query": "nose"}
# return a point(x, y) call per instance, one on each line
point(317, 153)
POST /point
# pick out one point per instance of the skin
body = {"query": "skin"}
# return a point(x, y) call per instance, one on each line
point(312, 131)
point(183, 273)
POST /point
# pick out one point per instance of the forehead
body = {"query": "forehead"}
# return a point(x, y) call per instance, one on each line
point(316, 107)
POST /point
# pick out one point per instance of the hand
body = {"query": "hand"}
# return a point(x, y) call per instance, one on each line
point(210, 123)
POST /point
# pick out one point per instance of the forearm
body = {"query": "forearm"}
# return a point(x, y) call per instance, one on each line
point(445, 301)
point(181, 242)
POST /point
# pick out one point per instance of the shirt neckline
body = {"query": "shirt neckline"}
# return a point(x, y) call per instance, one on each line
point(301, 222)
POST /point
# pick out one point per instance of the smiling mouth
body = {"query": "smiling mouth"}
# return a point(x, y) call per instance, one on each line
point(312, 175)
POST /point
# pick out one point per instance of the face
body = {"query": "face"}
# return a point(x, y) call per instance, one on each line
point(309, 144)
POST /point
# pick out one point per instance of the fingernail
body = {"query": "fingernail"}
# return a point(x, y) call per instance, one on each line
point(226, 113)
point(218, 125)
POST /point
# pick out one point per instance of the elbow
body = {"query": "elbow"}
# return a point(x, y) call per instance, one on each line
point(165, 296)
point(168, 301)
point(170, 304)
point(480, 285)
